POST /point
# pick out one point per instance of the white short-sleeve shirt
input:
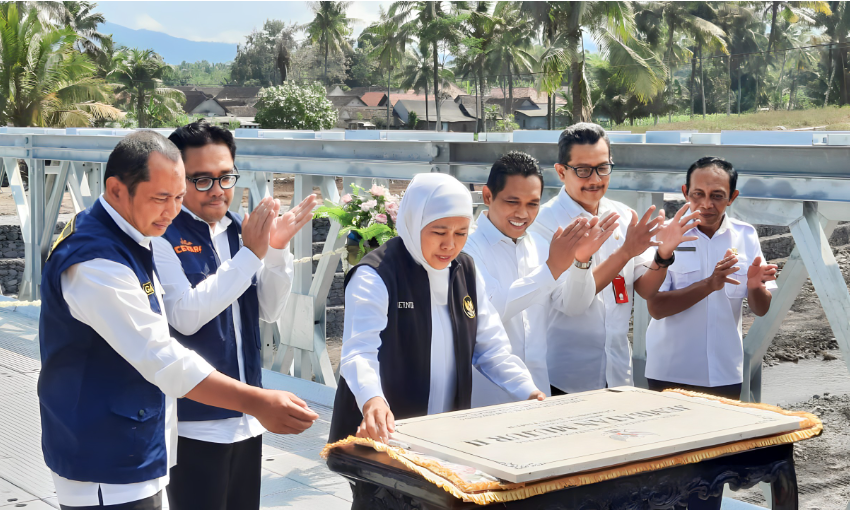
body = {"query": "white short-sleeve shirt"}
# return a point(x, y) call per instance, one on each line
point(703, 345)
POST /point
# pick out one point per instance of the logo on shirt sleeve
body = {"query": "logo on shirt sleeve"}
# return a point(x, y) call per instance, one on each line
point(468, 307)
point(148, 287)
point(186, 246)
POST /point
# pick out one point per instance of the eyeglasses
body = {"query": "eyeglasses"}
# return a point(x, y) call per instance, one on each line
point(584, 172)
point(203, 184)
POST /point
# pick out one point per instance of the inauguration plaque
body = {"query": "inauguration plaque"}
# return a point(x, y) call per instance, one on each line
point(531, 440)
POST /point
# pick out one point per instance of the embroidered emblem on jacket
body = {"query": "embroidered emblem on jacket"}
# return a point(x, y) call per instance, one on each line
point(468, 308)
point(67, 231)
point(187, 246)
point(405, 305)
point(148, 287)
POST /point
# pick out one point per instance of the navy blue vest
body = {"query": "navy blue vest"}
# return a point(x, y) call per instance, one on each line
point(216, 341)
point(101, 420)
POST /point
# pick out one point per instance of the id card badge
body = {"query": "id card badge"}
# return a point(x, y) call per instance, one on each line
point(620, 293)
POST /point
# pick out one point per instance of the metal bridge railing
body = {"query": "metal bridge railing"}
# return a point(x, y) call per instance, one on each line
point(804, 187)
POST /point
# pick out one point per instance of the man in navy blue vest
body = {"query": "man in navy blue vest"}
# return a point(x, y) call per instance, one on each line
point(221, 275)
point(110, 368)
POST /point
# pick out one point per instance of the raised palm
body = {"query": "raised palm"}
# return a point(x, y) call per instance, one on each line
point(599, 232)
point(285, 226)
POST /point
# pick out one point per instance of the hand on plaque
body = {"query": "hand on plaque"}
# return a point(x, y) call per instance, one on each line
point(537, 395)
point(378, 421)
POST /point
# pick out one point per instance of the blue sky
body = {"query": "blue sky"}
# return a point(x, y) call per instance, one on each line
point(220, 21)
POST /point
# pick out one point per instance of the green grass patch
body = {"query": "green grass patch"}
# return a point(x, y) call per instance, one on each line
point(830, 118)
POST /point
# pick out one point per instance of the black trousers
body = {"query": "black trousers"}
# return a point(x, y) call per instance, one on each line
point(216, 476)
point(152, 502)
point(727, 391)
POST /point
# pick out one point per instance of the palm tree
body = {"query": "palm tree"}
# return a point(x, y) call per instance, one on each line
point(472, 55)
point(513, 44)
point(43, 80)
point(611, 24)
point(416, 73)
point(688, 19)
point(430, 22)
point(330, 28)
point(390, 42)
point(792, 12)
point(139, 75)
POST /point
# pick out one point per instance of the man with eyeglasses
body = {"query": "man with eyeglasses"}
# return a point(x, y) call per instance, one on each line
point(588, 348)
point(221, 275)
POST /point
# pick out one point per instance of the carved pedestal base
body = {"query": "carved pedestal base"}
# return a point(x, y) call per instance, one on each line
point(381, 483)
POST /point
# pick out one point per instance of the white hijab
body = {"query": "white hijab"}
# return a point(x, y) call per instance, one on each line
point(430, 197)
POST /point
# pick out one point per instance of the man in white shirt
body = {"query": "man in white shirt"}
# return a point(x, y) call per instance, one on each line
point(694, 341)
point(221, 276)
point(588, 348)
point(110, 368)
point(526, 278)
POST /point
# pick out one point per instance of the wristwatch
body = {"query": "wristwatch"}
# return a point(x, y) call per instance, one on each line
point(583, 266)
point(664, 263)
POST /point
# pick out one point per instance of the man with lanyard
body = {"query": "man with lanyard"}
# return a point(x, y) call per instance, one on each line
point(694, 340)
point(221, 276)
point(588, 348)
point(110, 368)
point(526, 276)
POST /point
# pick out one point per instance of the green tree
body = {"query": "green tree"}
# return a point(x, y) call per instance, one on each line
point(472, 53)
point(431, 22)
point(511, 52)
point(138, 76)
point(389, 42)
point(291, 106)
point(330, 28)
point(416, 73)
point(257, 60)
point(44, 81)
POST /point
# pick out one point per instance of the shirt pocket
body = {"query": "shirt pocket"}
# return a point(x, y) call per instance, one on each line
point(685, 270)
point(739, 290)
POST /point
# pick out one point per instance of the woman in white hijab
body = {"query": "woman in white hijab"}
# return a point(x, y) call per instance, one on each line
point(417, 319)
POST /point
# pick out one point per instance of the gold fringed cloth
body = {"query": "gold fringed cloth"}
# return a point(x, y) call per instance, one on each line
point(485, 492)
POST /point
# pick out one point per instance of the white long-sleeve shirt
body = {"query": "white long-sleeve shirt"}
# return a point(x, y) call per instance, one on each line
point(190, 308)
point(366, 305)
point(123, 317)
point(589, 347)
point(523, 291)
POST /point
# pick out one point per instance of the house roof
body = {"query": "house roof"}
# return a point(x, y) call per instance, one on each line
point(527, 92)
point(248, 95)
point(530, 112)
point(367, 112)
point(212, 91)
point(360, 91)
point(373, 98)
point(449, 110)
point(193, 99)
point(340, 101)
point(520, 103)
point(241, 111)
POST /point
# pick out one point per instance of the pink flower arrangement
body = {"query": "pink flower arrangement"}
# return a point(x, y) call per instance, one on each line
point(346, 198)
point(381, 218)
point(369, 205)
point(378, 191)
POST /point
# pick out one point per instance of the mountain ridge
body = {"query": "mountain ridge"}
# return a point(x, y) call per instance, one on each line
point(173, 49)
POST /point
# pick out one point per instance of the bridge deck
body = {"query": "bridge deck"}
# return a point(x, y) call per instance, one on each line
point(294, 477)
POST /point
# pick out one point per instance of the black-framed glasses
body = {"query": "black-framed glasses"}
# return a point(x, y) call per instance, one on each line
point(203, 184)
point(584, 172)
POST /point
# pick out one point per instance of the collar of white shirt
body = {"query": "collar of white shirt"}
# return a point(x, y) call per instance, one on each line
point(220, 226)
point(574, 209)
point(725, 224)
point(125, 226)
point(491, 233)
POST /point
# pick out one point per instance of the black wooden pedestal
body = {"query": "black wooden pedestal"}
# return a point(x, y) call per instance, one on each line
point(391, 485)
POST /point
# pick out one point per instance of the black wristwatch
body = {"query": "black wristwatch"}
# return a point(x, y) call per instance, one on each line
point(664, 263)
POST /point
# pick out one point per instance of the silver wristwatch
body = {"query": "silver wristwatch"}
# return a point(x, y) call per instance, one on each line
point(583, 266)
